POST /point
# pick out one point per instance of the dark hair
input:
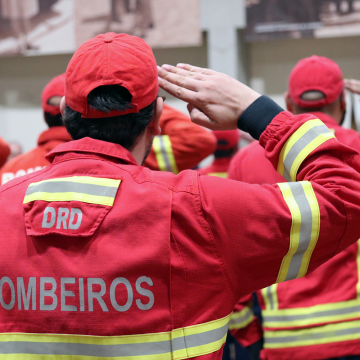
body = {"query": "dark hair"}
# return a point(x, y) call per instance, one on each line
point(225, 153)
point(122, 129)
point(53, 120)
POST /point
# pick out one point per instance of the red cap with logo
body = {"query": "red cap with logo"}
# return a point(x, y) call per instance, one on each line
point(227, 139)
point(112, 59)
point(56, 87)
point(316, 74)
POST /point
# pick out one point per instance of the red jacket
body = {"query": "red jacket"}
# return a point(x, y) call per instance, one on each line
point(316, 317)
point(181, 145)
point(34, 159)
point(218, 168)
point(110, 259)
point(4, 152)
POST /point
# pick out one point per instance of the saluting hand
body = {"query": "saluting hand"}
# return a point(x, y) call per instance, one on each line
point(215, 100)
point(352, 85)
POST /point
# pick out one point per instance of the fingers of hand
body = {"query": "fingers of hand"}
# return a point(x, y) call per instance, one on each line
point(195, 69)
point(198, 117)
point(352, 85)
point(175, 78)
point(177, 91)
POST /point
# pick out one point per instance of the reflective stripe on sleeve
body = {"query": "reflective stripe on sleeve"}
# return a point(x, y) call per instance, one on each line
point(241, 319)
point(312, 315)
point(305, 228)
point(77, 188)
point(300, 145)
point(330, 333)
point(178, 344)
point(164, 154)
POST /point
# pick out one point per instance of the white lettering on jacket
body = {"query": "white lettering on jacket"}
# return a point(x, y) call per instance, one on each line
point(10, 175)
point(50, 218)
point(46, 294)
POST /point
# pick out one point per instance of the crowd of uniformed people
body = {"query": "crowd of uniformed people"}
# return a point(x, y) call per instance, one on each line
point(112, 260)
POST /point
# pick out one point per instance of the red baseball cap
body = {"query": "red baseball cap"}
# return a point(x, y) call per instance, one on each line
point(112, 59)
point(227, 139)
point(56, 87)
point(316, 73)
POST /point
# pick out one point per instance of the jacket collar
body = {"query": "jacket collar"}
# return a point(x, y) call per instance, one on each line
point(58, 133)
point(92, 147)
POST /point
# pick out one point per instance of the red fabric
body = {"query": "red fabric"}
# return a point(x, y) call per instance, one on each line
point(333, 282)
point(218, 166)
point(316, 73)
point(112, 59)
point(4, 152)
point(205, 242)
point(227, 139)
point(56, 87)
point(190, 143)
point(34, 159)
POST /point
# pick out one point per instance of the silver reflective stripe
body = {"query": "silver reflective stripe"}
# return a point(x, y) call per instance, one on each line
point(74, 187)
point(314, 315)
point(45, 348)
point(311, 336)
point(270, 297)
point(242, 319)
point(305, 229)
point(296, 149)
point(165, 154)
point(204, 338)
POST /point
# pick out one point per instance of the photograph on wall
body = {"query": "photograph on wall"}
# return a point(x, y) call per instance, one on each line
point(162, 23)
point(275, 19)
point(36, 27)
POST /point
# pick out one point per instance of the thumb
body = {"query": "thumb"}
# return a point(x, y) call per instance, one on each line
point(199, 118)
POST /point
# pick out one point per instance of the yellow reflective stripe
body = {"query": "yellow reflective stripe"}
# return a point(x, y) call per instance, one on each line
point(265, 298)
point(164, 154)
point(312, 315)
point(91, 199)
point(83, 180)
point(270, 297)
point(241, 319)
point(178, 344)
point(329, 333)
point(219, 174)
point(305, 229)
point(299, 146)
point(77, 188)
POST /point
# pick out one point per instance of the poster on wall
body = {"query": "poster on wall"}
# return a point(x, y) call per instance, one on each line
point(162, 23)
point(276, 19)
point(39, 27)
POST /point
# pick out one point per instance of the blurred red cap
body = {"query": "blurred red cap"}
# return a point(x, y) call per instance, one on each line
point(112, 59)
point(227, 139)
point(56, 87)
point(316, 73)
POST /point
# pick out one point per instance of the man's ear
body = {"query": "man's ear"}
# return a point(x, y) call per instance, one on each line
point(62, 105)
point(289, 102)
point(343, 101)
point(154, 125)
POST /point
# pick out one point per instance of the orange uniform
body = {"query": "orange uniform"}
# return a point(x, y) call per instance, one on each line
point(4, 152)
point(181, 145)
point(34, 159)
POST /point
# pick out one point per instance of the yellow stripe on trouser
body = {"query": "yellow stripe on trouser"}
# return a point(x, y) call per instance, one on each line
point(241, 319)
point(305, 229)
point(77, 188)
point(330, 333)
point(312, 315)
point(178, 344)
point(164, 154)
point(300, 145)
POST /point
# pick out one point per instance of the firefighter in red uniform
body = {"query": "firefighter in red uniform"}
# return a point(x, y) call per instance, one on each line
point(4, 152)
point(101, 257)
point(315, 317)
point(227, 146)
point(181, 144)
point(56, 134)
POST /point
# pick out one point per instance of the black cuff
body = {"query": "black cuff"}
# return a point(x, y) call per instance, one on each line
point(258, 116)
